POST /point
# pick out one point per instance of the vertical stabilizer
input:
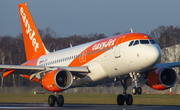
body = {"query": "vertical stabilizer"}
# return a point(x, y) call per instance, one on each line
point(34, 46)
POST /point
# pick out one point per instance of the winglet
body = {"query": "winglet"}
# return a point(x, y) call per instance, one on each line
point(34, 46)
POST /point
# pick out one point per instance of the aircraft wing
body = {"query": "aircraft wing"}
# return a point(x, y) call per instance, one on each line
point(173, 64)
point(28, 70)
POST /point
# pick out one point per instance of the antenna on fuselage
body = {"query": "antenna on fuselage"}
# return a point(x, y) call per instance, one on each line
point(131, 30)
point(70, 45)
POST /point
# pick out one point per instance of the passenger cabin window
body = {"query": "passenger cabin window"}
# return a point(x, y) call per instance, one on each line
point(136, 42)
point(144, 42)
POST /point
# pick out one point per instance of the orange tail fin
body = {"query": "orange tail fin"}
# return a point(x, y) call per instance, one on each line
point(34, 46)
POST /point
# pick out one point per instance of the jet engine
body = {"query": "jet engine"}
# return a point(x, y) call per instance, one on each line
point(162, 78)
point(57, 80)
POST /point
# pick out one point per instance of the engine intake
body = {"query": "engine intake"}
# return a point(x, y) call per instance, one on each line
point(162, 78)
point(57, 80)
point(63, 79)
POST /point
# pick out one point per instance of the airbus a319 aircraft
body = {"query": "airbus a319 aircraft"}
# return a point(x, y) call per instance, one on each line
point(119, 58)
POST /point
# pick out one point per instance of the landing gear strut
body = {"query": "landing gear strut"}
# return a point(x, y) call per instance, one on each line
point(136, 89)
point(57, 98)
point(125, 97)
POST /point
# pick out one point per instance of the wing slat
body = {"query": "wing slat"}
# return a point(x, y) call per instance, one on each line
point(29, 70)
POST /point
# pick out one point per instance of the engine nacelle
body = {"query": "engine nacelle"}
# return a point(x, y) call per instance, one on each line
point(57, 80)
point(162, 78)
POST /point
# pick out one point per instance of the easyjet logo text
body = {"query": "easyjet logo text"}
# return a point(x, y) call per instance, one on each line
point(29, 31)
point(104, 44)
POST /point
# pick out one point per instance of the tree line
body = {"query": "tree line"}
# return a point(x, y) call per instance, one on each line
point(12, 50)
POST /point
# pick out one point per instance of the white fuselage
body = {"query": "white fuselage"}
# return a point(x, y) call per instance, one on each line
point(115, 61)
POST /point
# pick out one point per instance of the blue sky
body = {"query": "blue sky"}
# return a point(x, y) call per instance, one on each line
point(69, 17)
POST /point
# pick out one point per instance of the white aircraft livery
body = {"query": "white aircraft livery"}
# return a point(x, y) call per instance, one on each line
point(119, 58)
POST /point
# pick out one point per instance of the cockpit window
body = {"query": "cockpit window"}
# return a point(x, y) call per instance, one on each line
point(136, 42)
point(130, 44)
point(152, 42)
point(144, 42)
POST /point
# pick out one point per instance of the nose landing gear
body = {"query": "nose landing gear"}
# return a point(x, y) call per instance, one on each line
point(136, 89)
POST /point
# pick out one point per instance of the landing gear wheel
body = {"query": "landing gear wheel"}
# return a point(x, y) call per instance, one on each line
point(120, 99)
point(60, 101)
point(51, 100)
point(134, 90)
point(139, 90)
point(129, 99)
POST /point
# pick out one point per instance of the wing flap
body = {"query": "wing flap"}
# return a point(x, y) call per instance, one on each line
point(77, 69)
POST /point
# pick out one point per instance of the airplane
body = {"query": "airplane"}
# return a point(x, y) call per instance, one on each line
point(121, 58)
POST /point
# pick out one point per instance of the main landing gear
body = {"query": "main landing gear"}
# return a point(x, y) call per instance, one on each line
point(125, 97)
point(136, 89)
point(57, 98)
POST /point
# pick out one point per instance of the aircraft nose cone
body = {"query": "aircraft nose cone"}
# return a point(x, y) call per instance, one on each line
point(153, 54)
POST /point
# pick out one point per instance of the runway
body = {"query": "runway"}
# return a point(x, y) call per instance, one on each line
point(36, 106)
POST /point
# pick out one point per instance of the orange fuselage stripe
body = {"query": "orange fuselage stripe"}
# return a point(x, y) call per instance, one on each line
point(105, 44)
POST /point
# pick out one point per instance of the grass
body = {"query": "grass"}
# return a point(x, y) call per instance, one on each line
point(144, 99)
